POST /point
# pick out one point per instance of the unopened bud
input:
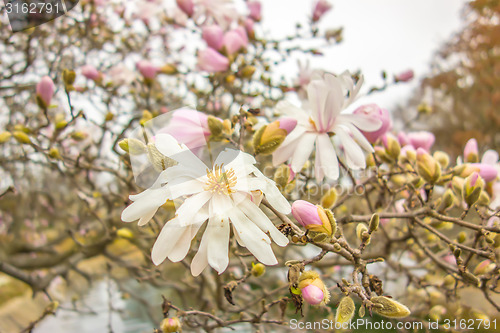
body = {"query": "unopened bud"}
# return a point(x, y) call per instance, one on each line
point(168, 69)
point(314, 218)
point(390, 308)
point(247, 72)
point(171, 325)
point(471, 151)
point(69, 77)
point(447, 201)
point(360, 229)
point(329, 198)
point(345, 310)
point(216, 127)
point(374, 222)
point(484, 267)
point(313, 289)
point(461, 237)
point(442, 158)
point(125, 233)
point(428, 168)
point(392, 147)
point(473, 187)
point(4, 137)
point(282, 176)
point(54, 153)
point(79, 136)
point(258, 269)
point(21, 137)
point(146, 116)
point(268, 138)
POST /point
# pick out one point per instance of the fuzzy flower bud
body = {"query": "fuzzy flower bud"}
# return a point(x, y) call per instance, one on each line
point(320, 9)
point(235, 40)
point(44, 91)
point(268, 138)
point(473, 187)
point(345, 310)
point(314, 218)
point(213, 35)
point(392, 147)
point(486, 171)
point(442, 158)
point(428, 168)
point(471, 151)
point(170, 325)
point(376, 112)
point(329, 198)
point(21, 137)
point(212, 61)
point(4, 137)
point(313, 290)
point(484, 267)
point(390, 308)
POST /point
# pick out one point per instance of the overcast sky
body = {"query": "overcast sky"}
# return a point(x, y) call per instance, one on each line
point(394, 35)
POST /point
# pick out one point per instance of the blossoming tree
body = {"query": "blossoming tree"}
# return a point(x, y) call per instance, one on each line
point(258, 200)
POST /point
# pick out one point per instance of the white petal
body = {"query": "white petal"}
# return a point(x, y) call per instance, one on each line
point(273, 195)
point(191, 206)
point(200, 260)
point(285, 152)
point(150, 200)
point(217, 233)
point(490, 157)
point(360, 138)
point(184, 187)
point(326, 159)
point(147, 217)
point(183, 245)
point(256, 241)
point(317, 93)
point(288, 109)
point(168, 146)
point(258, 217)
point(355, 158)
point(303, 151)
point(167, 240)
point(362, 122)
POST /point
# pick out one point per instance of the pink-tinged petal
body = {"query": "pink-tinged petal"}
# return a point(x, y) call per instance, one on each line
point(255, 8)
point(287, 123)
point(212, 61)
point(312, 294)
point(187, 6)
point(320, 9)
point(421, 139)
point(235, 40)
point(404, 76)
point(360, 138)
point(91, 73)
point(303, 151)
point(403, 139)
point(364, 123)
point(374, 111)
point(288, 147)
point(326, 159)
point(317, 94)
point(306, 213)
point(147, 69)
point(486, 171)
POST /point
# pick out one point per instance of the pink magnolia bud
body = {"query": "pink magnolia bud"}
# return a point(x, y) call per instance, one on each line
point(147, 69)
point(312, 294)
point(306, 213)
point(287, 123)
point(421, 139)
point(213, 35)
point(486, 171)
point(404, 76)
point(187, 6)
point(403, 139)
point(321, 7)
point(235, 40)
point(212, 61)
point(249, 28)
point(91, 73)
point(376, 112)
point(45, 90)
point(471, 151)
point(255, 8)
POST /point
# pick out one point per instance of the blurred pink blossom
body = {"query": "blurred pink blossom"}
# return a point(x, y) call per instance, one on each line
point(187, 6)
point(235, 40)
point(212, 61)
point(255, 8)
point(404, 76)
point(147, 69)
point(312, 294)
point(91, 73)
point(421, 139)
point(376, 112)
point(189, 127)
point(213, 35)
point(471, 151)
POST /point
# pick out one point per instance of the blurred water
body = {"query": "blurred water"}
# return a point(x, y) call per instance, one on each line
point(126, 315)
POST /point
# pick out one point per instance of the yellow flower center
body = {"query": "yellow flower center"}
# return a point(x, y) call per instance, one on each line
point(220, 181)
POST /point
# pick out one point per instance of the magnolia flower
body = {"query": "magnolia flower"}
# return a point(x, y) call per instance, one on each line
point(373, 110)
point(147, 69)
point(255, 8)
point(91, 73)
point(189, 127)
point(224, 195)
point(322, 121)
point(421, 139)
point(187, 6)
point(213, 35)
point(235, 40)
point(404, 76)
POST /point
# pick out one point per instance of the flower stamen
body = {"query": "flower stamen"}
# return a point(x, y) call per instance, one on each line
point(220, 181)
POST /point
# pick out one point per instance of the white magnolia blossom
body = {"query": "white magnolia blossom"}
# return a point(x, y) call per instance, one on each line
point(224, 195)
point(322, 123)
